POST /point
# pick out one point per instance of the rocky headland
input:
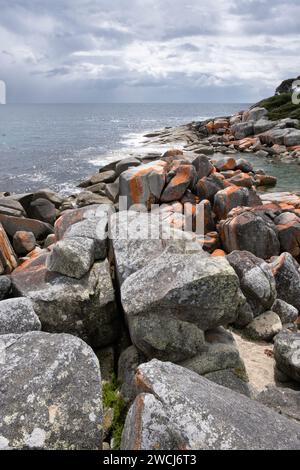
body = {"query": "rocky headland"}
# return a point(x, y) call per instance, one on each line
point(157, 308)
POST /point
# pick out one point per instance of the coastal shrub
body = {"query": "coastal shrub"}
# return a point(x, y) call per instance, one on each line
point(280, 107)
point(113, 399)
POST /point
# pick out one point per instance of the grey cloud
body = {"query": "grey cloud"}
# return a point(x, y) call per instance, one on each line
point(93, 50)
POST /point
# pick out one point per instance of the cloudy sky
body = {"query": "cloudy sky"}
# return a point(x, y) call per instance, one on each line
point(147, 50)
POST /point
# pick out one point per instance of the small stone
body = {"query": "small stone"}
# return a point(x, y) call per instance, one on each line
point(264, 327)
point(24, 242)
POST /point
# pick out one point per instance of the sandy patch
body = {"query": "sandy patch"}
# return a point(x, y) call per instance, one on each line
point(259, 361)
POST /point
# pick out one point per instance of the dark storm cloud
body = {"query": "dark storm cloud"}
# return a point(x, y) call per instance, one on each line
point(152, 50)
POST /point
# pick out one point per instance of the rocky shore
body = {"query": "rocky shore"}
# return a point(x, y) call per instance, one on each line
point(128, 310)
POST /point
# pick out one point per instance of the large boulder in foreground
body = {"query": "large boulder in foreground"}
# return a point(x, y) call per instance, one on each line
point(256, 280)
point(247, 230)
point(287, 354)
point(18, 316)
point(177, 409)
point(51, 388)
point(171, 301)
point(85, 307)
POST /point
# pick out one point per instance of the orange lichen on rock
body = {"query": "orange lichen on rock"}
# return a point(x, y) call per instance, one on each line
point(218, 252)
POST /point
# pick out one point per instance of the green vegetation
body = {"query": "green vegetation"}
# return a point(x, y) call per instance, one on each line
point(112, 399)
point(280, 107)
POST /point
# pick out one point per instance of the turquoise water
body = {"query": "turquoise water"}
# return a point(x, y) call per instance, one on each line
point(56, 146)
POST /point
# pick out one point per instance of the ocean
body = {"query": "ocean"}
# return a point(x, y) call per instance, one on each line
point(56, 146)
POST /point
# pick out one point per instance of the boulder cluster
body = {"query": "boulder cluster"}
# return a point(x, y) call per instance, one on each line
point(144, 274)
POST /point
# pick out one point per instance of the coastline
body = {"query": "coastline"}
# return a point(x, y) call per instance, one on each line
point(166, 293)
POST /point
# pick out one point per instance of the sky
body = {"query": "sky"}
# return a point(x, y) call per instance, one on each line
point(60, 51)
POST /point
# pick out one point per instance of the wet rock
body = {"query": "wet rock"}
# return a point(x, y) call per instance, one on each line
point(143, 184)
point(24, 242)
point(256, 280)
point(5, 285)
point(84, 308)
point(17, 316)
point(195, 292)
point(286, 271)
point(72, 257)
point(286, 312)
point(171, 398)
point(246, 230)
point(8, 260)
point(264, 327)
point(287, 354)
point(52, 389)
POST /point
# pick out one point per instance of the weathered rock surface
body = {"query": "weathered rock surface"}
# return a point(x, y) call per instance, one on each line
point(264, 327)
point(14, 224)
point(72, 257)
point(42, 209)
point(177, 409)
point(203, 166)
point(283, 400)
point(9, 206)
point(256, 280)
point(229, 198)
point(8, 259)
point(174, 298)
point(287, 354)
point(250, 231)
point(288, 226)
point(84, 308)
point(24, 242)
point(128, 363)
point(143, 184)
point(286, 271)
point(51, 392)
point(286, 312)
point(5, 285)
point(17, 316)
point(184, 178)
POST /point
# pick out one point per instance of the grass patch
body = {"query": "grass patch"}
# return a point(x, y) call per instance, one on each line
point(112, 399)
point(280, 107)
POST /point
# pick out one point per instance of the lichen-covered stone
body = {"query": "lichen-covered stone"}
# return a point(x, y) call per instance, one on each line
point(178, 409)
point(174, 298)
point(17, 316)
point(51, 393)
point(85, 307)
